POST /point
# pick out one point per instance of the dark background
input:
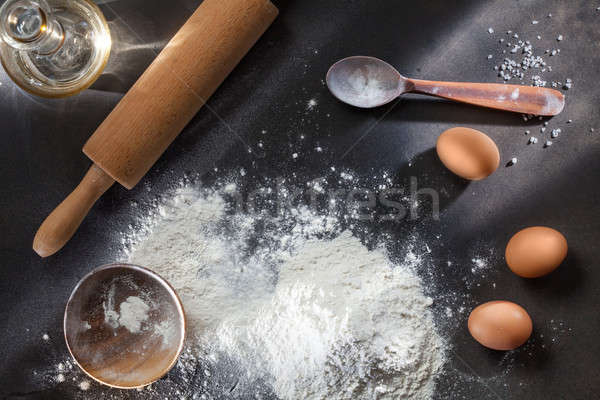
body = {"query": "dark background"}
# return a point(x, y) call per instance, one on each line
point(41, 161)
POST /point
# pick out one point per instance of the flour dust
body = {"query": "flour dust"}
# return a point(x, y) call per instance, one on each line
point(289, 307)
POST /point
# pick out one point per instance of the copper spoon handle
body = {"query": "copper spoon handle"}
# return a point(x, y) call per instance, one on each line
point(517, 98)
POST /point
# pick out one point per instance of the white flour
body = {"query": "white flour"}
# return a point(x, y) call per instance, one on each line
point(341, 324)
point(133, 313)
point(368, 85)
point(304, 317)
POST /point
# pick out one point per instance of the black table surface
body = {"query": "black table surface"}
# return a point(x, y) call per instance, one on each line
point(42, 161)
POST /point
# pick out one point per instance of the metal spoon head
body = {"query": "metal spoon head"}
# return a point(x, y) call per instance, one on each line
point(124, 326)
point(364, 82)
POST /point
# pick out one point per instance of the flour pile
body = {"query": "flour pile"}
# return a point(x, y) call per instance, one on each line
point(289, 306)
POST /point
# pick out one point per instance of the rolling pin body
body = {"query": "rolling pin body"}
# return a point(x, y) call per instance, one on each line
point(160, 104)
point(172, 90)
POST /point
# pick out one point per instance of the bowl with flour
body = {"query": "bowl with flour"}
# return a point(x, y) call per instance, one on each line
point(124, 325)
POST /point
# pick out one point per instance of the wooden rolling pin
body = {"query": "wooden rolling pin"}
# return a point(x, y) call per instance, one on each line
point(158, 106)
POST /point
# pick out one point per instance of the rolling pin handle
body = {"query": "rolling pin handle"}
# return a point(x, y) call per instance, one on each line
point(61, 224)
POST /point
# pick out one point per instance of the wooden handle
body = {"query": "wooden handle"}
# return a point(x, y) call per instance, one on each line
point(62, 223)
point(172, 90)
point(517, 98)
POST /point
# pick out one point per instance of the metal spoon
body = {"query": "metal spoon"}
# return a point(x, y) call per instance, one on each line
point(368, 82)
point(124, 326)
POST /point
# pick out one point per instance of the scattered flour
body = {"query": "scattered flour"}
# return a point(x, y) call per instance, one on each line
point(478, 265)
point(342, 323)
point(301, 308)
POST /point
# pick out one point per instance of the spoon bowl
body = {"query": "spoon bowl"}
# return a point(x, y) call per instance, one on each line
point(364, 82)
point(124, 326)
point(368, 82)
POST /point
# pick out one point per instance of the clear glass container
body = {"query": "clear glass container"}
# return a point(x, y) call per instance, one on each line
point(53, 48)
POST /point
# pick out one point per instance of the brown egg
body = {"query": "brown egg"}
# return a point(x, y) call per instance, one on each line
point(536, 251)
point(500, 325)
point(468, 153)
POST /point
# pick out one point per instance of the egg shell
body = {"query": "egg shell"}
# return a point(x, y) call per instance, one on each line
point(500, 325)
point(535, 251)
point(468, 153)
